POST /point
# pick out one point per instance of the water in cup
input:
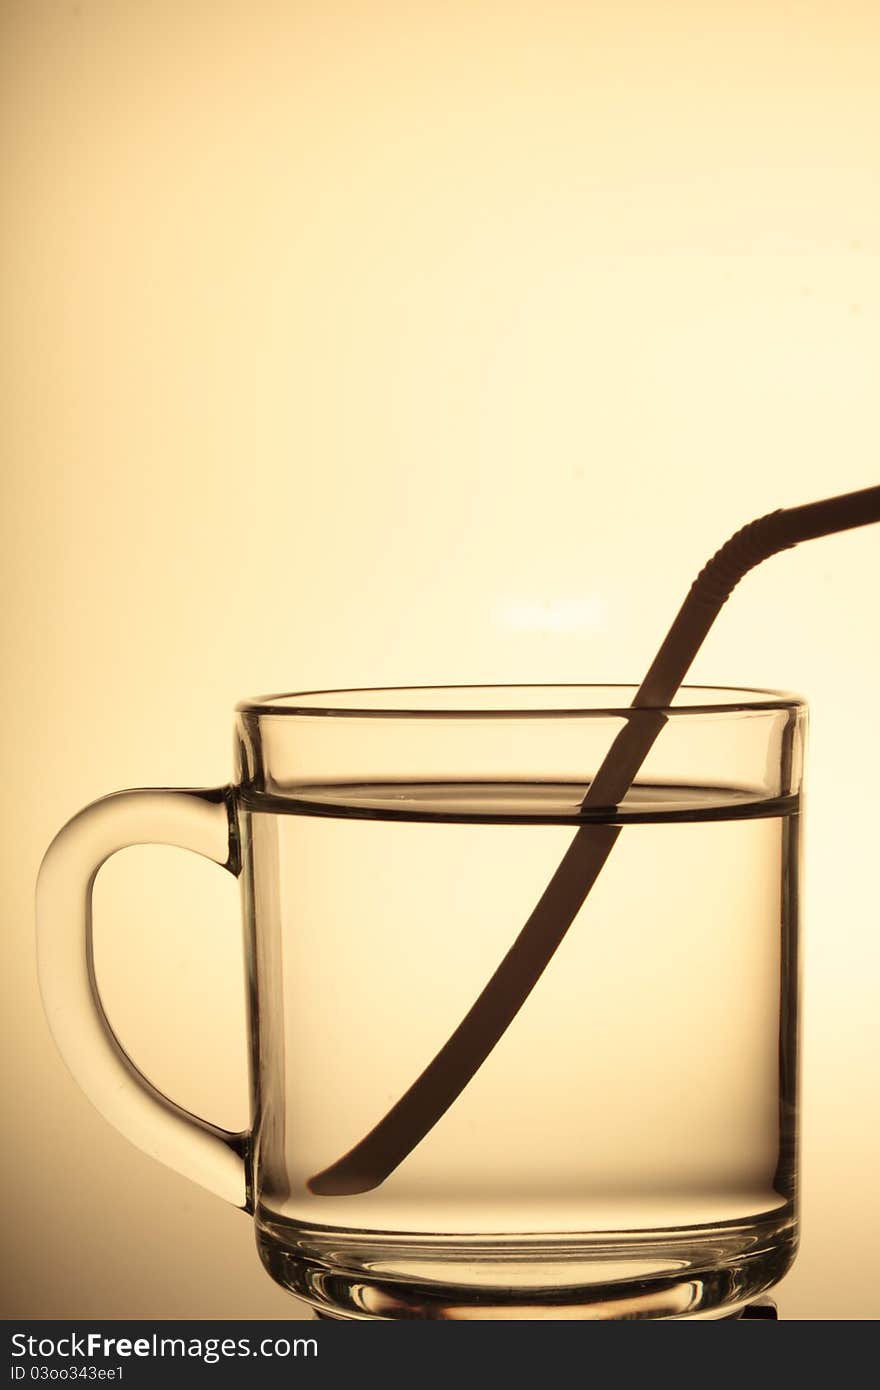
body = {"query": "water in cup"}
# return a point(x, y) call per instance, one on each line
point(646, 1086)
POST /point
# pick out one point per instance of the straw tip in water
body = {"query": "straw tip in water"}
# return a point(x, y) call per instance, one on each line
point(338, 1181)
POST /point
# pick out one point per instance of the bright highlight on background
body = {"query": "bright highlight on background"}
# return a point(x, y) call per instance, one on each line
point(589, 614)
point(339, 336)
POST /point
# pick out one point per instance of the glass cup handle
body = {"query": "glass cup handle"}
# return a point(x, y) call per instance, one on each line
point(200, 820)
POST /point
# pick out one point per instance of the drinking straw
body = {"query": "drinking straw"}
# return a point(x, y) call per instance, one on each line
point(376, 1156)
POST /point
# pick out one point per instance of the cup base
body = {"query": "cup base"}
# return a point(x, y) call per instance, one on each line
point(701, 1273)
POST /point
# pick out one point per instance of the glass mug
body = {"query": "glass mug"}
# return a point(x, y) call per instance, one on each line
point(628, 1146)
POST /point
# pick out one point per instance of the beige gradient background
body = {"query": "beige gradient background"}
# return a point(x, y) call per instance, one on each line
point(364, 342)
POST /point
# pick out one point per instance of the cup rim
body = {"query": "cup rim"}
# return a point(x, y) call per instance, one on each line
point(426, 702)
